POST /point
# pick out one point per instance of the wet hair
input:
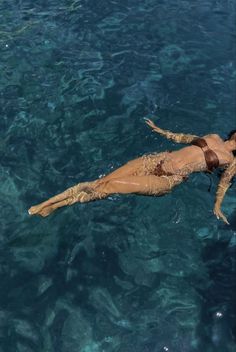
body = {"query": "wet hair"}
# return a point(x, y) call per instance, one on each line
point(230, 135)
point(220, 171)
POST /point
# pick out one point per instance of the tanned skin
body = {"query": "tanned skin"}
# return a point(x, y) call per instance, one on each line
point(137, 177)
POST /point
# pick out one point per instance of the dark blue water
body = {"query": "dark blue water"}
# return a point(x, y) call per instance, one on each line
point(126, 274)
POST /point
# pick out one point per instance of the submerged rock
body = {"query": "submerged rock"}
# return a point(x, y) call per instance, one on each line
point(173, 60)
point(102, 301)
point(76, 333)
point(25, 329)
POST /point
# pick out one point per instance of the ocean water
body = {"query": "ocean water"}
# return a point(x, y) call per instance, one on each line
point(129, 273)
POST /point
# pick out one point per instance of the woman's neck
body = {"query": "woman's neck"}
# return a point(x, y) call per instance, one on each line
point(230, 145)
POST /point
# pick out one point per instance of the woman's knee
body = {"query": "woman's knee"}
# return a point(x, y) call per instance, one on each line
point(116, 185)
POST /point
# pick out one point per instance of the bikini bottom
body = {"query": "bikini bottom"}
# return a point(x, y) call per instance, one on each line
point(152, 165)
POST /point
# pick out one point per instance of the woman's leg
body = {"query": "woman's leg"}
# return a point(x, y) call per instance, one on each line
point(145, 185)
point(128, 169)
point(69, 196)
point(100, 189)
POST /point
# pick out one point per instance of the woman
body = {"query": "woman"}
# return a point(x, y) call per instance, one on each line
point(156, 174)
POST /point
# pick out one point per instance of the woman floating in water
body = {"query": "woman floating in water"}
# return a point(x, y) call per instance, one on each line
point(156, 174)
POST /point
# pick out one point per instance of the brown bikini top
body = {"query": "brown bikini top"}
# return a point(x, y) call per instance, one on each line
point(211, 158)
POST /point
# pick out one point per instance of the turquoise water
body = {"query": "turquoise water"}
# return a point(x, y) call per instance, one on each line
point(129, 273)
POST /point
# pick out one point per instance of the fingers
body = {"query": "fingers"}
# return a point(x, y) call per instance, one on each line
point(150, 123)
point(147, 120)
point(218, 213)
point(225, 220)
point(223, 217)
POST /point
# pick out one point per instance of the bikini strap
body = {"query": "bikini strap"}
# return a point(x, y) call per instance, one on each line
point(199, 142)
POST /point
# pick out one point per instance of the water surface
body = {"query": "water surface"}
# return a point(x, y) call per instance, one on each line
point(126, 274)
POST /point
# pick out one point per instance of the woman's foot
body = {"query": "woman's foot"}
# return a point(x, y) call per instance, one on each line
point(68, 197)
point(83, 192)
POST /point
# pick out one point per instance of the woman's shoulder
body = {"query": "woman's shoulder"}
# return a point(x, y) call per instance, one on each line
point(213, 136)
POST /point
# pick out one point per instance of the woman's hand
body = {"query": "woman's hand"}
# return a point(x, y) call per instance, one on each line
point(218, 213)
point(150, 123)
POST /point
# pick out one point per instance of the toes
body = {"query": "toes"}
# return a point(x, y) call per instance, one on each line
point(34, 210)
point(46, 211)
point(43, 211)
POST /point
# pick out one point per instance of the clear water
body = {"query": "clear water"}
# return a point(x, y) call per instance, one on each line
point(127, 274)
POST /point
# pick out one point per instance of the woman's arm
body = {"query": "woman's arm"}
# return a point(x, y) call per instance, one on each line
point(176, 137)
point(222, 188)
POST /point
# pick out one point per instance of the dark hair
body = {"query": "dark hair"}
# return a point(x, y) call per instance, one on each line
point(231, 134)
